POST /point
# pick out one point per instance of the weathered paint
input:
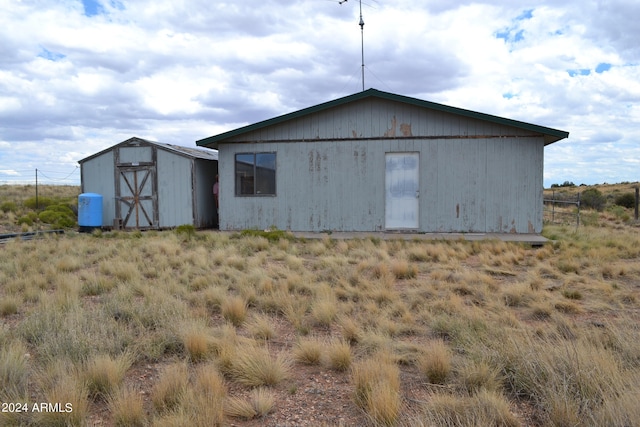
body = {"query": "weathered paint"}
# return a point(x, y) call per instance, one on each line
point(475, 175)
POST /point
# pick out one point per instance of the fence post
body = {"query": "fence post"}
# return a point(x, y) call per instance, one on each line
point(578, 218)
point(553, 207)
point(636, 205)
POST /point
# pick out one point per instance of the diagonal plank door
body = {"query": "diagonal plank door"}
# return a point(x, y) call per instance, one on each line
point(136, 201)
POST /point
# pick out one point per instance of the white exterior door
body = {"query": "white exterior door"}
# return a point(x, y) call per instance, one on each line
point(402, 176)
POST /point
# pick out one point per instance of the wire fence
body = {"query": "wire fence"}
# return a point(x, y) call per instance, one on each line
point(40, 177)
point(562, 208)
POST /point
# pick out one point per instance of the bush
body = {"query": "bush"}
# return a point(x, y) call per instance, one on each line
point(627, 200)
point(42, 202)
point(8, 207)
point(25, 220)
point(58, 216)
point(592, 198)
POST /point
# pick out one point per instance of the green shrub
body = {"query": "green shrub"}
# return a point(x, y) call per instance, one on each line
point(187, 229)
point(627, 200)
point(25, 220)
point(58, 216)
point(42, 202)
point(8, 207)
point(593, 198)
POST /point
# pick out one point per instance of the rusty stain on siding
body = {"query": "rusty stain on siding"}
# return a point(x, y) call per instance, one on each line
point(392, 131)
point(354, 134)
point(532, 229)
point(458, 210)
point(405, 129)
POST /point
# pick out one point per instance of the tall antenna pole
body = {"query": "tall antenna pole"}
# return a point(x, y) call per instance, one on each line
point(362, 42)
point(361, 23)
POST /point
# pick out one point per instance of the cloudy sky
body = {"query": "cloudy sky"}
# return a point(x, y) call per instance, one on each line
point(78, 76)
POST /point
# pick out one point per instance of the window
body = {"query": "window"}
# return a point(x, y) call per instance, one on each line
point(255, 174)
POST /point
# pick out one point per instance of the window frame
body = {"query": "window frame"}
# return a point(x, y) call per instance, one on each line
point(238, 187)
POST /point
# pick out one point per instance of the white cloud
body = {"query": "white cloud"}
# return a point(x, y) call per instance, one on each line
point(72, 84)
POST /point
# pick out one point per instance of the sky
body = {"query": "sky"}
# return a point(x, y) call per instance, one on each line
point(79, 76)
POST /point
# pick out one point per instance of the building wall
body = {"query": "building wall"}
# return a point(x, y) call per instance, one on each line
point(97, 177)
point(466, 185)
point(175, 190)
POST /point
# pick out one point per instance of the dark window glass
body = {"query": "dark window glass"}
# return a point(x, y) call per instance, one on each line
point(255, 174)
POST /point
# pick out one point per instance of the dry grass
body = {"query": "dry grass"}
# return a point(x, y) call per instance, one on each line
point(168, 392)
point(104, 374)
point(308, 351)
point(234, 309)
point(254, 366)
point(377, 388)
point(488, 333)
point(127, 408)
point(435, 362)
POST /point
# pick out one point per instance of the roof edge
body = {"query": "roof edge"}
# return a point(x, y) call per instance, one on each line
point(551, 135)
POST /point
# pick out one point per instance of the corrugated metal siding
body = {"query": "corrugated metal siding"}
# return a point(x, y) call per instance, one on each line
point(97, 177)
point(377, 118)
point(470, 185)
point(175, 192)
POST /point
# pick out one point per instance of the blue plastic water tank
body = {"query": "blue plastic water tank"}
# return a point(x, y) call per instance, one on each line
point(89, 211)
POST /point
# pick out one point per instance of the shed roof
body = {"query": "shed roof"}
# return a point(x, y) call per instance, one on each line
point(550, 135)
point(195, 153)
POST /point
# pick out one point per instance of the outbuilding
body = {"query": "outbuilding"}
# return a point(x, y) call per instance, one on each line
point(378, 161)
point(151, 185)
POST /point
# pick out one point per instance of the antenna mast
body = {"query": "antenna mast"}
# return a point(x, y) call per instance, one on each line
point(362, 42)
point(361, 23)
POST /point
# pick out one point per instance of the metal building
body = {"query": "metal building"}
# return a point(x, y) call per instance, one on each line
point(151, 185)
point(377, 161)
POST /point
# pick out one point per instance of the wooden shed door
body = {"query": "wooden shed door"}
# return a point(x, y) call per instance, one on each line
point(136, 201)
point(402, 190)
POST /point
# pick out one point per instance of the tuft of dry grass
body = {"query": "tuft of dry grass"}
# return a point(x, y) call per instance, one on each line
point(71, 397)
point(401, 269)
point(339, 355)
point(254, 367)
point(204, 401)
point(168, 392)
point(127, 408)
point(261, 327)
point(9, 305)
point(234, 310)
point(238, 407)
point(308, 351)
point(482, 409)
point(435, 362)
point(376, 384)
point(104, 374)
point(197, 342)
point(14, 370)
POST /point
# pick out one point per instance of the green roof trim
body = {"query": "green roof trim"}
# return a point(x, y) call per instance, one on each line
point(551, 135)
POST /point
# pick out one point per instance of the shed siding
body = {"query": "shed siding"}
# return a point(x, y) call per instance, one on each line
point(471, 185)
point(175, 195)
point(97, 177)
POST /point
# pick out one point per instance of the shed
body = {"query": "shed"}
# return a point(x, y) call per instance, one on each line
point(378, 161)
point(151, 185)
